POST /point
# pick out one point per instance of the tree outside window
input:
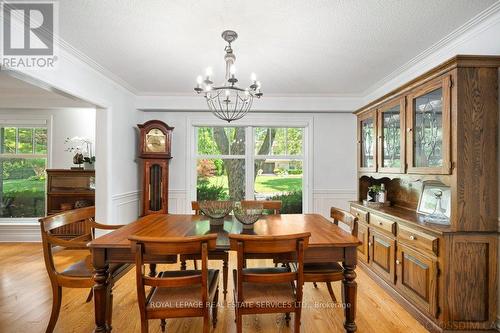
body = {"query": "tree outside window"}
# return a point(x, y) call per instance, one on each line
point(277, 164)
point(23, 160)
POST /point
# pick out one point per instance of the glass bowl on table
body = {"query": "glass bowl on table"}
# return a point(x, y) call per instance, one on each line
point(248, 215)
point(216, 211)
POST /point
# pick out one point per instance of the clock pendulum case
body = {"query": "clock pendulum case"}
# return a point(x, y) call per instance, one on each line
point(154, 151)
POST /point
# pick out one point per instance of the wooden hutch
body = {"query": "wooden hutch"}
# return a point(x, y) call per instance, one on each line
point(445, 275)
point(65, 188)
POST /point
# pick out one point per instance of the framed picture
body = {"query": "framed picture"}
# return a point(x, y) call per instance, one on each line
point(427, 202)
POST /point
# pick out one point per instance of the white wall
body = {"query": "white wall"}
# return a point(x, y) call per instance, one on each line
point(333, 151)
point(116, 118)
point(65, 123)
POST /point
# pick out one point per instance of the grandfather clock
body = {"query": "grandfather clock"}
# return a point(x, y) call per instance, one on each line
point(154, 151)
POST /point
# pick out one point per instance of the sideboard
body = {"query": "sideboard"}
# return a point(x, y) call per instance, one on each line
point(441, 127)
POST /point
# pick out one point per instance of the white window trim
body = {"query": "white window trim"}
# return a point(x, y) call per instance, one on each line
point(28, 121)
point(250, 122)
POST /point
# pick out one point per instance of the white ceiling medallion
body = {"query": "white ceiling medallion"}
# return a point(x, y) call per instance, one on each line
point(228, 101)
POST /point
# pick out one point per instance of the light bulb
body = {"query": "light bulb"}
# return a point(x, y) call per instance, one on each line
point(227, 93)
point(232, 70)
point(208, 71)
point(199, 79)
point(253, 77)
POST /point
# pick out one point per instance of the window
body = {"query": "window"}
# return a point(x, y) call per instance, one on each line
point(263, 163)
point(278, 166)
point(23, 160)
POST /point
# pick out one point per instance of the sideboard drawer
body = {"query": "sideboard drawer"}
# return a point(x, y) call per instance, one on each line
point(418, 239)
point(383, 224)
point(360, 214)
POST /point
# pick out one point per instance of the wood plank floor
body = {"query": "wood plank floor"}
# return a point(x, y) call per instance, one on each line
point(25, 303)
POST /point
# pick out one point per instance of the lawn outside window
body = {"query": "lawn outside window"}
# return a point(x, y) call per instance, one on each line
point(24, 156)
point(247, 162)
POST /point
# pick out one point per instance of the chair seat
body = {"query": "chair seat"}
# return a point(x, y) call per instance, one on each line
point(277, 295)
point(83, 268)
point(321, 268)
point(182, 297)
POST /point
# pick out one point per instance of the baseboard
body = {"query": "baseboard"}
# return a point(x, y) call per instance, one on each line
point(20, 232)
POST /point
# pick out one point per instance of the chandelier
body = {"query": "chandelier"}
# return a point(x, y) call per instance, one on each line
point(228, 101)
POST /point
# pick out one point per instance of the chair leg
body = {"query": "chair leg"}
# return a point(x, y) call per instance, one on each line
point(144, 326)
point(315, 285)
point(298, 312)
point(195, 264)
point(183, 265)
point(330, 290)
point(287, 319)
point(152, 270)
point(206, 321)
point(163, 325)
point(239, 323)
point(225, 269)
point(56, 307)
point(89, 297)
point(109, 310)
point(215, 305)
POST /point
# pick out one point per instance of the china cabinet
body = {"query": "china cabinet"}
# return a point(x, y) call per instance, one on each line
point(440, 127)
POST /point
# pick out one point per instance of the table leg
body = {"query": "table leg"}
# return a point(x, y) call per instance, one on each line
point(349, 291)
point(101, 290)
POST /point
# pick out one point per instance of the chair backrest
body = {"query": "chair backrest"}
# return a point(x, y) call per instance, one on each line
point(292, 245)
point(47, 224)
point(273, 205)
point(155, 246)
point(195, 205)
point(340, 215)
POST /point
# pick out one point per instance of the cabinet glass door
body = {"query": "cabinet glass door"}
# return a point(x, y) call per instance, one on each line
point(367, 137)
point(429, 118)
point(428, 127)
point(391, 124)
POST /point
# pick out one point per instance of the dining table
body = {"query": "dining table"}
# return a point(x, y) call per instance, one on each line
point(328, 243)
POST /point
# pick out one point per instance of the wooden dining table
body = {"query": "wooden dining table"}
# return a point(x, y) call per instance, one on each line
point(328, 243)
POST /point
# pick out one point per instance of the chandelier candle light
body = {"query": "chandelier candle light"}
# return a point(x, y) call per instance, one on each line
point(228, 101)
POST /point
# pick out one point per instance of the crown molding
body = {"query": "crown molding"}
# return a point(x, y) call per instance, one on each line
point(79, 55)
point(268, 104)
point(311, 102)
point(480, 22)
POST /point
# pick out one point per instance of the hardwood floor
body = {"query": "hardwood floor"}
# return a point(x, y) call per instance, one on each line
point(25, 302)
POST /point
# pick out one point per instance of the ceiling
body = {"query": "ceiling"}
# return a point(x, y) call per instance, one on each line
point(16, 93)
point(296, 47)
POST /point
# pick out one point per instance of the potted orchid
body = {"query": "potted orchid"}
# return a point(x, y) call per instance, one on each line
point(83, 152)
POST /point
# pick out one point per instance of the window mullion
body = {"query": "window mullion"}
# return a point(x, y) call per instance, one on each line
point(249, 161)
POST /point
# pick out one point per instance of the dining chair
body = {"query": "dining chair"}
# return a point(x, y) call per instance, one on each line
point(175, 294)
point(79, 274)
point(220, 255)
point(271, 205)
point(331, 272)
point(268, 289)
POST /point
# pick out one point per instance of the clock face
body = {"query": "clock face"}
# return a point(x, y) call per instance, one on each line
point(155, 141)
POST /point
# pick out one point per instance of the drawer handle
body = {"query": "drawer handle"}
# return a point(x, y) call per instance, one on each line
point(357, 214)
point(397, 262)
point(413, 237)
point(380, 223)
